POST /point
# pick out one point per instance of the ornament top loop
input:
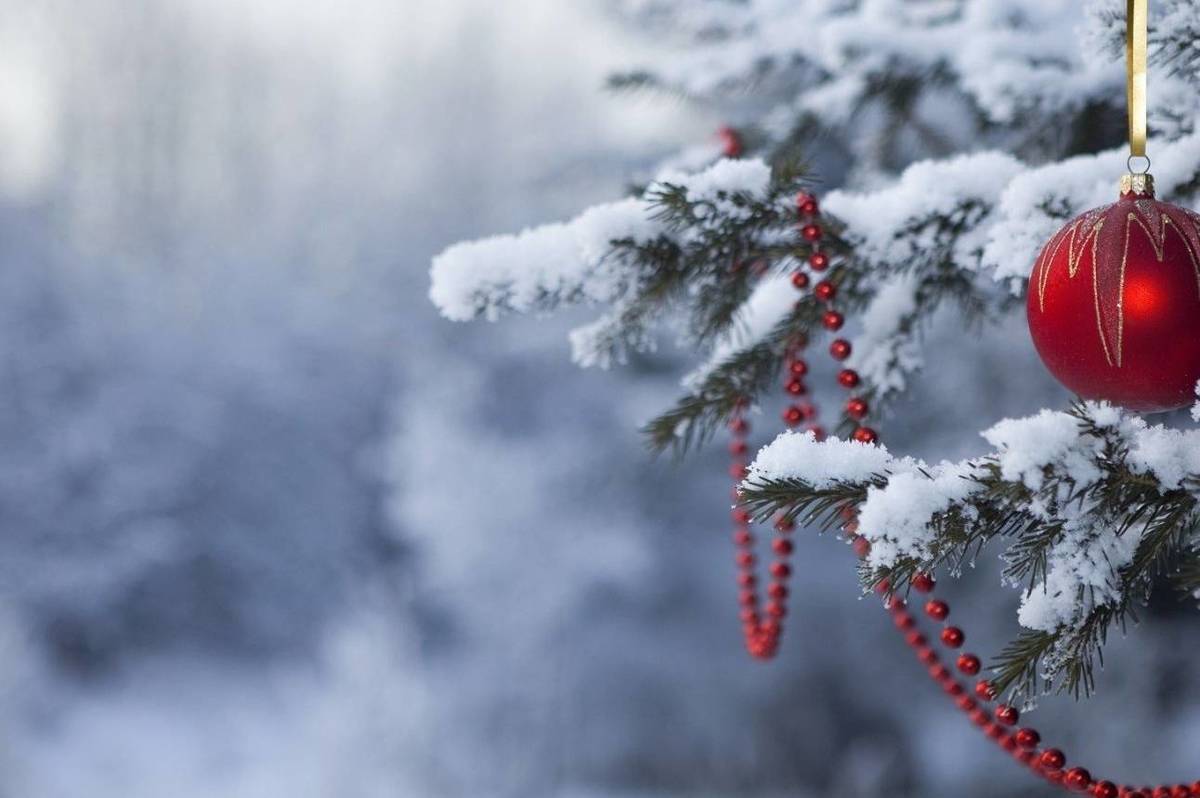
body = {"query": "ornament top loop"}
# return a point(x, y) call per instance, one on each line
point(1132, 171)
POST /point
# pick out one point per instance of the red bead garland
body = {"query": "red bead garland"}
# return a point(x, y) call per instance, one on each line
point(762, 636)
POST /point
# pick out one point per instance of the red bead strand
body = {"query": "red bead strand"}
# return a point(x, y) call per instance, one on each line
point(762, 636)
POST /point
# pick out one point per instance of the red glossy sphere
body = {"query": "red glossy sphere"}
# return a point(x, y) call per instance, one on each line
point(833, 320)
point(782, 546)
point(796, 387)
point(937, 609)
point(866, 435)
point(1078, 779)
point(1105, 789)
point(1028, 738)
point(1007, 715)
point(1052, 759)
point(792, 416)
point(811, 232)
point(984, 689)
point(857, 409)
point(819, 261)
point(848, 378)
point(1114, 304)
point(784, 524)
point(840, 349)
point(798, 368)
point(923, 583)
point(800, 280)
point(953, 637)
point(969, 664)
point(825, 291)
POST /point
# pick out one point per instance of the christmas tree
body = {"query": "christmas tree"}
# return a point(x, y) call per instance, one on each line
point(964, 136)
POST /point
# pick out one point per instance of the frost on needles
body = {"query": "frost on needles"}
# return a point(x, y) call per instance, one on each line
point(1091, 505)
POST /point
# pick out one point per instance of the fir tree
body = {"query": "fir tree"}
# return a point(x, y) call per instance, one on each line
point(966, 159)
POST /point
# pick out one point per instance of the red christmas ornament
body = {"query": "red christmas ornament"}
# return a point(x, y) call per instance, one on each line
point(1114, 301)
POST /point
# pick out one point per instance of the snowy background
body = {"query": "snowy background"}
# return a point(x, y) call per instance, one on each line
point(270, 527)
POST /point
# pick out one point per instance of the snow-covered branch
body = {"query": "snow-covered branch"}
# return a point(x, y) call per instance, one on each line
point(566, 263)
point(1091, 503)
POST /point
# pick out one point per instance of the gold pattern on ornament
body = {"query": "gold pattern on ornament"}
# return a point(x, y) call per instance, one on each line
point(1109, 299)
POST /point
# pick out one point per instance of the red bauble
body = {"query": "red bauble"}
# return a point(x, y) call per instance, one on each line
point(1114, 302)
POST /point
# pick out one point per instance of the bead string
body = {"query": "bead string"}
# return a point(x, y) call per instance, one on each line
point(762, 636)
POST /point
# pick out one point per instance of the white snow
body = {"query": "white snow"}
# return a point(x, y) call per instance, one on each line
point(798, 455)
point(516, 272)
point(1169, 455)
point(884, 355)
point(895, 518)
point(570, 262)
point(1026, 446)
point(1051, 453)
point(898, 223)
point(1021, 56)
point(769, 304)
point(1082, 574)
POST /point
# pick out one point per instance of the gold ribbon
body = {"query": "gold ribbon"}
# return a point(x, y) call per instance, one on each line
point(1135, 69)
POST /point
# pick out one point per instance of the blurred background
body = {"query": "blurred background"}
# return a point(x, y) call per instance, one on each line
point(270, 527)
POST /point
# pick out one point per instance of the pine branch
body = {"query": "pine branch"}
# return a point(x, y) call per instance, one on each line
point(727, 387)
point(799, 501)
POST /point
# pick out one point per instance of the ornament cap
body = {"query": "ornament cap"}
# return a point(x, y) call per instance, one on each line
point(1139, 184)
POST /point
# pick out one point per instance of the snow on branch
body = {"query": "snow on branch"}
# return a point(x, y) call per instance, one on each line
point(1023, 55)
point(1091, 503)
point(546, 267)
